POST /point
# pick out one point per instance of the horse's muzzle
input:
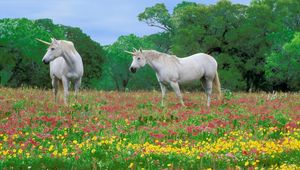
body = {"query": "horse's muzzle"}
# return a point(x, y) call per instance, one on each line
point(132, 69)
point(45, 62)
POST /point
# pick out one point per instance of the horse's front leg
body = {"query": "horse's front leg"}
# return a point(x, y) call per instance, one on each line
point(65, 83)
point(163, 92)
point(175, 87)
point(55, 87)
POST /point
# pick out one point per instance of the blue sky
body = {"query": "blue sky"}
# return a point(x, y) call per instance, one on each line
point(103, 20)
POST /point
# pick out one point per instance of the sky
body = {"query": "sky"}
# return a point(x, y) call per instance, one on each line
point(103, 20)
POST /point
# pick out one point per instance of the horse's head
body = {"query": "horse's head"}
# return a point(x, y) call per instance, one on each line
point(138, 61)
point(53, 51)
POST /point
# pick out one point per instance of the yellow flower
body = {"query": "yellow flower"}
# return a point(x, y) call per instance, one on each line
point(50, 148)
point(246, 163)
point(93, 150)
point(75, 142)
point(94, 138)
point(169, 165)
point(131, 165)
point(55, 152)
point(20, 151)
point(5, 152)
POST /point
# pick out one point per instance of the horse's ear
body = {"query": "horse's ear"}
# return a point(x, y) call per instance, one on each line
point(141, 50)
point(54, 41)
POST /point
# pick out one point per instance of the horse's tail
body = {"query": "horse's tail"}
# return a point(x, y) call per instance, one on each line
point(217, 86)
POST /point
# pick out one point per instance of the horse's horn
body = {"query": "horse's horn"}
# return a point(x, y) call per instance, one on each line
point(128, 52)
point(44, 42)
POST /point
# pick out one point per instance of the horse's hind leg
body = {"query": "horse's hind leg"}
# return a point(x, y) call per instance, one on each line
point(208, 89)
point(76, 86)
point(55, 87)
point(175, 87)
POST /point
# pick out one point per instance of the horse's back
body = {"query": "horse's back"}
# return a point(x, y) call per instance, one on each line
point(196, 66)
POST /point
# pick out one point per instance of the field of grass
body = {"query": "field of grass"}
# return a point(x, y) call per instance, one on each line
point(130, 130)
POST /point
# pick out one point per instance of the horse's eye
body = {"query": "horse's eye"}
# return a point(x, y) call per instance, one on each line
point(52, 49)
point(139, 58)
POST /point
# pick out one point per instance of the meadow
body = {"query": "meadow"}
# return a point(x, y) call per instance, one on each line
point(130, 130)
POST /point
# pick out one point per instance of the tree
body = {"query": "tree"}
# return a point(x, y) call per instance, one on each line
point(157, 16)
point(117, 64)
point(282, 69)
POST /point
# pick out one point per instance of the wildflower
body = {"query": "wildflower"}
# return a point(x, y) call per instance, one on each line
point(20, 151)
point(50, 148)
point(55, 152)
point(5, 152)
point(131, 165)
point(246, 163)
point(94, 138)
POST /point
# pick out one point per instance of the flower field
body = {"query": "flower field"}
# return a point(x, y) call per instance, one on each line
point(130, 130)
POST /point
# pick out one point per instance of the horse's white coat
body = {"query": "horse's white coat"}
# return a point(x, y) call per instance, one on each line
point(65, 66)
point(174, 71)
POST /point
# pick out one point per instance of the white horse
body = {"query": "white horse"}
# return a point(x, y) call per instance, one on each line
point(65, 65)
point(172, 70)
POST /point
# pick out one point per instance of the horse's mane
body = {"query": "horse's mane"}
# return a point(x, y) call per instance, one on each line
point(166, 58)
point(67, 45)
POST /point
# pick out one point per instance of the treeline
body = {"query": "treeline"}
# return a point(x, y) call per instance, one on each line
point(257, 46)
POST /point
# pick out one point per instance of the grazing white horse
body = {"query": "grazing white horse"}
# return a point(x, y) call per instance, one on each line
point(172, 70)
point(65, 65)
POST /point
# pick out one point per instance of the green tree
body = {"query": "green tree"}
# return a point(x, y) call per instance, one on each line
point(18, 37)
point(117, 64)
point(283, 68)
point(157, 16)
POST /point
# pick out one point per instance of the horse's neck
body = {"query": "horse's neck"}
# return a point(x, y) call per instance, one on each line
point(154, 63)
point(158, 63)
point(72, 59)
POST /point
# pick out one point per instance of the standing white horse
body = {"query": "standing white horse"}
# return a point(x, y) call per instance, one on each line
point(65, 65)
point(172, 70)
